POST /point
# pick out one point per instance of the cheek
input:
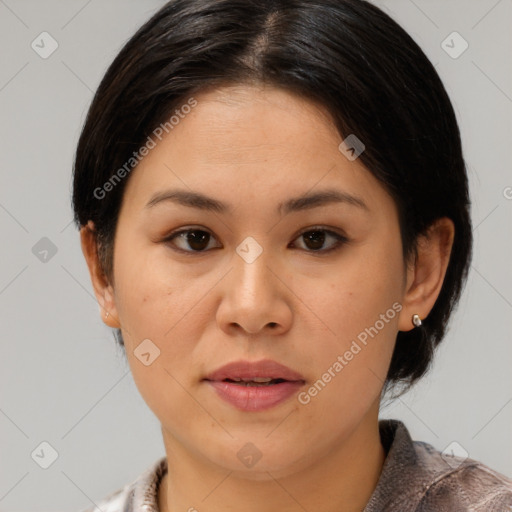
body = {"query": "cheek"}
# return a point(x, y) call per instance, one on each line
point(161, 314)
point(152, 297)
point(350, 366)
point(361, 308)
point(360, 292)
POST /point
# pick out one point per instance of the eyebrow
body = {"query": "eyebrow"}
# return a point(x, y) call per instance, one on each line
point(301, 203)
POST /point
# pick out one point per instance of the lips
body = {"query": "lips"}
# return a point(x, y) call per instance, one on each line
point(263, 373)
point(254, 387)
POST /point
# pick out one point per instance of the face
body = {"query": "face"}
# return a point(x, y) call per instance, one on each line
point(257, 273)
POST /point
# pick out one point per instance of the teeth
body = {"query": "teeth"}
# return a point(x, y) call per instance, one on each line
point(255, 379)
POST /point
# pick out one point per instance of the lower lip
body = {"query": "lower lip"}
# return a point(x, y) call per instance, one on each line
point(255, 398)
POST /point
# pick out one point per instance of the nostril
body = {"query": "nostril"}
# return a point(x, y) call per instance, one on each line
point(272, 324)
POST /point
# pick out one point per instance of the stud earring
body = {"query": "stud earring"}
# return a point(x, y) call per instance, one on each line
point(106, 314)
point(416, 320)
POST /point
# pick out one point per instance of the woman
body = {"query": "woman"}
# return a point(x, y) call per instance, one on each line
point(273, 206)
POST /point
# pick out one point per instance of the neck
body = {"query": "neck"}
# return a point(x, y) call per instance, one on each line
point(339, 481)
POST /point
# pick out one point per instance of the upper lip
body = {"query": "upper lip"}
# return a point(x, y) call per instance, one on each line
point(250, 369)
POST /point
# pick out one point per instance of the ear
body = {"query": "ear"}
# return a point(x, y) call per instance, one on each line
point(102, 288)
point(426, 274)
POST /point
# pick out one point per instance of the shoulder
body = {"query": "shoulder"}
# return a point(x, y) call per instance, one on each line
point(417, 477)
point(114, 502)
point(459, 483)
point(140, 494)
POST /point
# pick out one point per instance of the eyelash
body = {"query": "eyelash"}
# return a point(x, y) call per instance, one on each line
point(341, 240)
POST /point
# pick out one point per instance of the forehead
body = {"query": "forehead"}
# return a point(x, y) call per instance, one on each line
point(251, 144)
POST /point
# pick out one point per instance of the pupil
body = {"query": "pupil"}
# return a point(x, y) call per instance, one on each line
point(195, 237)
point(317, 237)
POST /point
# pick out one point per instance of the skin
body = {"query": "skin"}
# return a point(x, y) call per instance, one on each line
point(253, 147)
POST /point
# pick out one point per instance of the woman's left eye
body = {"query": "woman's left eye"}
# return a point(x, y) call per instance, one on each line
point(199, 240)
point(316, 237)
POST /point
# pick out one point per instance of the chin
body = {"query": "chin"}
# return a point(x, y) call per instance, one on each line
point(253, 463)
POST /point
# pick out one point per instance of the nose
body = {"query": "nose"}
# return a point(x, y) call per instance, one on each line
point(255, 298)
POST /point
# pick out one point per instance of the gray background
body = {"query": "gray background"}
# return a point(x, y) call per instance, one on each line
point(63, 380)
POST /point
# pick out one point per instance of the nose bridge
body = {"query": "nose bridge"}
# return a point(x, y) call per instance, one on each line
point(252, 271)
point(252, 299)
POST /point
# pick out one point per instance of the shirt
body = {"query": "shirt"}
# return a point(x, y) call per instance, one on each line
point(415, 477)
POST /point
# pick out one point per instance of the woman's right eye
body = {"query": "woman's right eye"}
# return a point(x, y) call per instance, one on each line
point(194, 238)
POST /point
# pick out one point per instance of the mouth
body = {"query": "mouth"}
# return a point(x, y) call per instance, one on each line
point(258, 373)
point(255, 386)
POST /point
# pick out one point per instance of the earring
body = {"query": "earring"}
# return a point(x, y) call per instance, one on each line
point(106, 314)
point(416, 320)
